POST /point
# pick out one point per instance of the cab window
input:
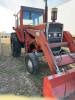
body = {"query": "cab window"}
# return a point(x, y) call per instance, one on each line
point(32, 18)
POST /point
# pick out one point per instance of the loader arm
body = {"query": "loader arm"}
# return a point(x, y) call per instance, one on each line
point(42, 40)
point(68, 37)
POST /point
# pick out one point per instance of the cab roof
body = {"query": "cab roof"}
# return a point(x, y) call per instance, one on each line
point(31, 9)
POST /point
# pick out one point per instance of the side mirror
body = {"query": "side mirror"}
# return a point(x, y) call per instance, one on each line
point(14, 15)
point(13, 28)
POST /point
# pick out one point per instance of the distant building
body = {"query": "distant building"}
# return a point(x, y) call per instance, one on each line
point(66, 15)
point(5, 35)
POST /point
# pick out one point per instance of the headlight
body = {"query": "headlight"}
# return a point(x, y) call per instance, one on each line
point(59, 35)
point(49, 35)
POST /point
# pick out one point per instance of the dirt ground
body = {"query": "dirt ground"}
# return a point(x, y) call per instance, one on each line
point(14, 78)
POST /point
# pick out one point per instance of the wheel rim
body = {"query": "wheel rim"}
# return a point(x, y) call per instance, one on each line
point(29, 64)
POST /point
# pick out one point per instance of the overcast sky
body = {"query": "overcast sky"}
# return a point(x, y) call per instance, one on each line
point(9, 7)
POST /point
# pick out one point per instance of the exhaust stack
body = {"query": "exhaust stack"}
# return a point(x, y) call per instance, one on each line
point(46, 11)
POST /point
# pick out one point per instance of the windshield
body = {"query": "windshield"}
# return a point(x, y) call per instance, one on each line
point(32, 18)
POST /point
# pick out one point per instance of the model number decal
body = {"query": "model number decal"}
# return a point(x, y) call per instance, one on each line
point(37, 33)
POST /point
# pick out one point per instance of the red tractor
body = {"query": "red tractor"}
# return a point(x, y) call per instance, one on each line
point(42, 38)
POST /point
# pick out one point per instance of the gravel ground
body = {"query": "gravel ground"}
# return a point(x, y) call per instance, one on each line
point(14, 78)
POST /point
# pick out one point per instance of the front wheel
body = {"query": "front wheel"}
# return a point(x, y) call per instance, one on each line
point(32, 63)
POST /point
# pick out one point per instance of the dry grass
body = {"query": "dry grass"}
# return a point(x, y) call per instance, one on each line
point(5, 40)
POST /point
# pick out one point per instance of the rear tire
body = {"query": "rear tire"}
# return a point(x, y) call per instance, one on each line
point(15, 45)
point(32, 63)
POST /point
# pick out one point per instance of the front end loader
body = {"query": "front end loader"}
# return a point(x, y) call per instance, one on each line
point(42, 38)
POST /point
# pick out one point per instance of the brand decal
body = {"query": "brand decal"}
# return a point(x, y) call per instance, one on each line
point(55, 35)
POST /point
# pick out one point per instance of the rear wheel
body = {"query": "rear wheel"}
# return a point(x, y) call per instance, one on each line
point(15, 45)
point(32, 63)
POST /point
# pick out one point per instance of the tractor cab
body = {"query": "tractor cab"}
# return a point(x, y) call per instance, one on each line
point(27, 17)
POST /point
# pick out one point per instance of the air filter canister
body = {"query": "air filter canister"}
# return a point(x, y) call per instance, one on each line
point(54, 14)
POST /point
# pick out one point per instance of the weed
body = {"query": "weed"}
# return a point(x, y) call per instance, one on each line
point(34, 80)
point(5, 71)
point(21, 68)
point(42, 69)
point(38, 75)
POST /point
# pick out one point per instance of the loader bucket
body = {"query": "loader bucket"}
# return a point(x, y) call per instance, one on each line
point(60, 86)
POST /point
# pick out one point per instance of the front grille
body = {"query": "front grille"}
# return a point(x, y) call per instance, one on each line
point(54, 35)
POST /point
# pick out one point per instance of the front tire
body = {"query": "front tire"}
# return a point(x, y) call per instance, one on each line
point(15, 45)
point(32, 63)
